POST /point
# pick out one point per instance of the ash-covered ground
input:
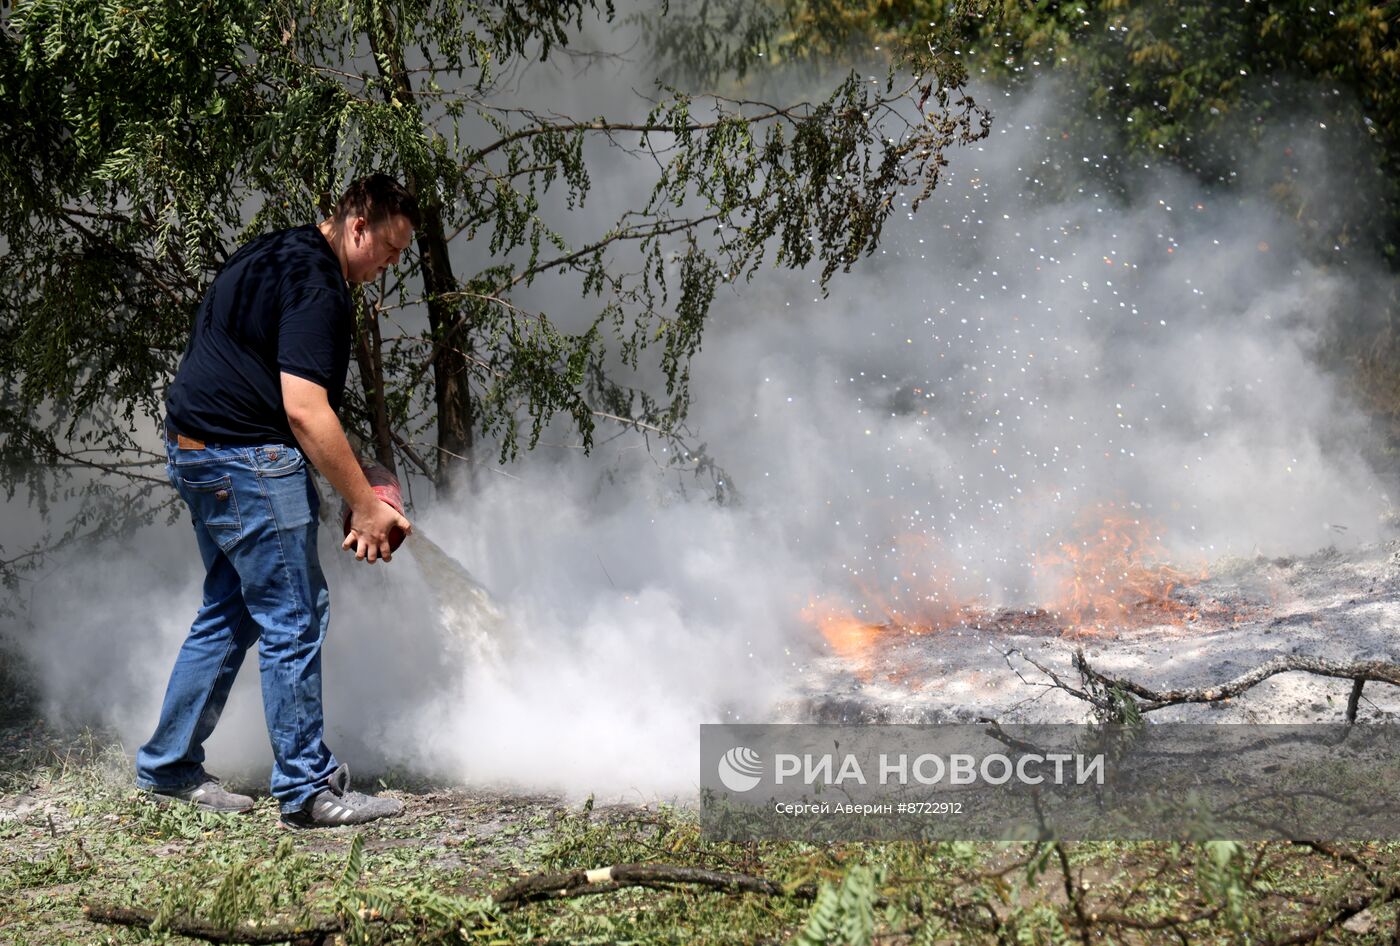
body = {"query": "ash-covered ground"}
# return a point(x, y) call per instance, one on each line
point(1341, 606)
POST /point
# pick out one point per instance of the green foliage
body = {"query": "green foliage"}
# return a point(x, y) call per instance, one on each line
point(230, 884)
point(1220, 872)
point(843, 915)
point(1202, 84)
point(1196, 83)
point(408, 913)
point(61, 866)
point(1039, 861)
point(1125, 708)
point(235, 897)
point(710, 40)
point(354, 863)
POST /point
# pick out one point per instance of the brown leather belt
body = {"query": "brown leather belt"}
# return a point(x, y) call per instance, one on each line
point(183, 442)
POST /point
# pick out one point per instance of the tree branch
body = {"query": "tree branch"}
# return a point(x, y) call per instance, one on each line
point(1365, 671)
point(258, 933)
point(573, 883)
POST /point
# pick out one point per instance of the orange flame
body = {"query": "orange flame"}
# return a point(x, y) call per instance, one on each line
point(1111, 575)
point(918, 600)
point(1108, 572)
point(850, 637)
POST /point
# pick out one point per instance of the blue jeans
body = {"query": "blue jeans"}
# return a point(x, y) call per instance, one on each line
point(254, 511)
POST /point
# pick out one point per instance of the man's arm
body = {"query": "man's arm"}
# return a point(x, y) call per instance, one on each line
point(318, 430)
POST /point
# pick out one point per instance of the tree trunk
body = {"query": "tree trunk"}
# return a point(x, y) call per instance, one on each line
point(451, 378)
point(369, 355)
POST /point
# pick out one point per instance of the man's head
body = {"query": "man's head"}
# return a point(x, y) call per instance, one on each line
point(372, 225)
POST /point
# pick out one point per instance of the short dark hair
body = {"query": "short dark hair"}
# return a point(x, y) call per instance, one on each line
point(377, 198)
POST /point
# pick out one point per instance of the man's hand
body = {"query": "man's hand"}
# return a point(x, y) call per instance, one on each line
point(370, 531)
point(323, 441)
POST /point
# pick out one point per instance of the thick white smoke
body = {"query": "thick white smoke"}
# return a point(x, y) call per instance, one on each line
point(1006, 363)
point(1009, 363)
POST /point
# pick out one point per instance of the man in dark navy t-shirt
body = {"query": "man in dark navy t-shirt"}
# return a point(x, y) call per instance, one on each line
point(254, 399)
point(280, 304)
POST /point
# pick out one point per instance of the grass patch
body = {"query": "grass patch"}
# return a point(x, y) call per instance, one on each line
point(428, 878)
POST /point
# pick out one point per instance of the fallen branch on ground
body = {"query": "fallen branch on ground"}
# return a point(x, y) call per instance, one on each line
point(312, 933)
point(550, 886)
point(1360, 673)
point(1099, 687)
point(576, 883)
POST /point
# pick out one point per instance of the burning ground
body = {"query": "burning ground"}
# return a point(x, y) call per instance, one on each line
point(1060, 411)
point(1188, 632)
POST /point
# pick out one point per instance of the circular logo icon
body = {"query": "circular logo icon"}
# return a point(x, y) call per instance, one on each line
point(740, 769)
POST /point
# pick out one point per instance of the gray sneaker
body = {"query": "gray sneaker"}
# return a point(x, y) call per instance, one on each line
point(336, 805)
point(208, 795)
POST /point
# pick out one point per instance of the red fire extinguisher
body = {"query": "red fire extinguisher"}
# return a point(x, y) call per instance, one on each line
point(386, 487)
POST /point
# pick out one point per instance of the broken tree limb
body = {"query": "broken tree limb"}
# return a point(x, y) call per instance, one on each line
point(1345, 911)
point(549, 886)
point(316, 931)
point(1384, 890)
point(1099, 687)
point(560, 885)
point(576, 883)
point(1056, 682)
point(1368, 671)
